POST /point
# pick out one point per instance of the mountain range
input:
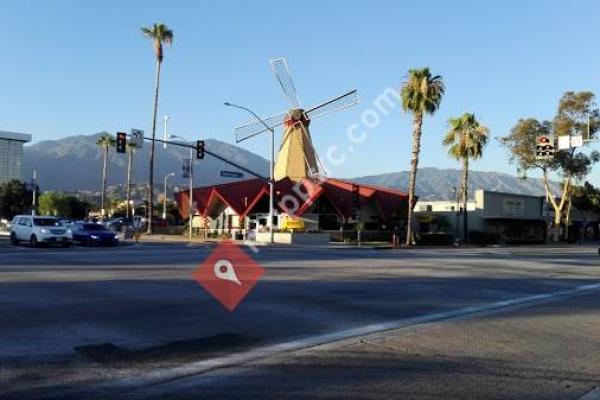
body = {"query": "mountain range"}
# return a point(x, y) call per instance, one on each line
point(438, 184)
point(75, 164)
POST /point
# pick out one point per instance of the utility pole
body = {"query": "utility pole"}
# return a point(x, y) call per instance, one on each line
point(191, 191)
point(190, 167)
point(170, 174)
point(455, 197)
point(34, 189)
point(165, 135)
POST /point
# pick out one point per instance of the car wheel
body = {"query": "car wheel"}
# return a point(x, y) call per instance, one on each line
point(13, 239)
point(88, 242)
point(66, 244)
point(33, 241)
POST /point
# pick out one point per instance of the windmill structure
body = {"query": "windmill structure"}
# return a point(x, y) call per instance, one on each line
point(297, 158)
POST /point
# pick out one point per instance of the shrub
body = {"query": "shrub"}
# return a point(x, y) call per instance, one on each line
point(483, 238)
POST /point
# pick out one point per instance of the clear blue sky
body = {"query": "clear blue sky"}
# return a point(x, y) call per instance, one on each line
point(79, 67)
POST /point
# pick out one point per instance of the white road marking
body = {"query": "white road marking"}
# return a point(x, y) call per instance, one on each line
point(593, 395)
point(114, 251)
point(168, 375)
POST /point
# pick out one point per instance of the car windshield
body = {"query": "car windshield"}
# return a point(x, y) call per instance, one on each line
point(45, 222)
point(93, 227)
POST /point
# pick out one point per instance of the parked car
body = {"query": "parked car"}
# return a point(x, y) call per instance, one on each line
point(37, 230)
point(118, 223)
point(89, 233)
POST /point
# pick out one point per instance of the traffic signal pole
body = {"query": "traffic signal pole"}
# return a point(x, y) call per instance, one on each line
point(200, 150)
point(191, 195)
point(212, 154)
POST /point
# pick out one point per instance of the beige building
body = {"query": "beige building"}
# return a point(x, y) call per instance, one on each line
point(509, 217)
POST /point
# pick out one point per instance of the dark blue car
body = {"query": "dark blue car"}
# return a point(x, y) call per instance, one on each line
point(90, 234)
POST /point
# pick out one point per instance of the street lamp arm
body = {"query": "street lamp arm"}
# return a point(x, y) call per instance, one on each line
point(251, 112)
point(271, 165)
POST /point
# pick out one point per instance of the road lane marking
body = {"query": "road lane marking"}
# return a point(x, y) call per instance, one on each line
point(593, 395)
point(167, 376)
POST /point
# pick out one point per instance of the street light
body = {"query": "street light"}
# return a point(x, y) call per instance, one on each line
point(191, 204)
point(169, 175)
point(165, 132)
point(271, 164)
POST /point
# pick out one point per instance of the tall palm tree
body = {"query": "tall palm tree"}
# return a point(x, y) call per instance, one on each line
point(421, 94)
point(105, 142)
point(131, 146)
point(159, 34)
point(466, 138)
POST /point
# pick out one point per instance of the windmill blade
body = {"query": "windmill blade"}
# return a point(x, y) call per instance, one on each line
point(282, 73)
point(344, 101)
point(255, 128)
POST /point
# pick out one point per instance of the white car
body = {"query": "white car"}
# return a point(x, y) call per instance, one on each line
point(38, 229)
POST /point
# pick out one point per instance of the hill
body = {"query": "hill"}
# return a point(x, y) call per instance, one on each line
point(75, 163)
point(437, 184)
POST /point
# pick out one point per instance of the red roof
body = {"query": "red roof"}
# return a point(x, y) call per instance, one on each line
point(293, 197)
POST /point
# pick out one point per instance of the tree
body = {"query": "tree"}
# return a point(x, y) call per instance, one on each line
point(466, 139)
point(159, 34)
point(572, 118)
point(577, 115)
point(421, 94)
point(77, 208)
point(15, 198)
point(131, 146)
point(586, 197)
point(55, 204)
point(105, 142)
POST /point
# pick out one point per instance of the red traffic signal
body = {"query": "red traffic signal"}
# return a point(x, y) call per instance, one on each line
point(544, 147)
point(543, 140)
point(121, 142)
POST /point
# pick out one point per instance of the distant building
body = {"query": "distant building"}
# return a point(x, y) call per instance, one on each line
point(510, 217)
point(11, 155)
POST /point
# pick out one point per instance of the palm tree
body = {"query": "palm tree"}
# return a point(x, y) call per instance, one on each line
point(105, 142)
point(466, 139)
point(131, 146)
point(421, 94)
point(159, 34)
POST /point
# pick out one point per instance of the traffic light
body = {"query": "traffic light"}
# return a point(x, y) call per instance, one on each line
point(544, 147)
point(199, 149)
point(121, 142)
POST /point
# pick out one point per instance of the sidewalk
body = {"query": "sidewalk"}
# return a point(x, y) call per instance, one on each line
point(183, 239)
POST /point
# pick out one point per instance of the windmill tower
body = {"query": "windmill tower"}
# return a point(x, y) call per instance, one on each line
point(297, 157)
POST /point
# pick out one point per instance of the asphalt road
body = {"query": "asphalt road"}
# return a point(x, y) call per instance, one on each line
point(131, 322)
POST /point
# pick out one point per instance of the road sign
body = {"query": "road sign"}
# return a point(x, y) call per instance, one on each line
point(121, 143)
point(576, 140)
point(231, 174)
point(187, 168)
point(137, 137)
point(564, 142)
point(228, 274)
point(567, 142)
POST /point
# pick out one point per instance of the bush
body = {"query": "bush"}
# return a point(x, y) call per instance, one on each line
point(483, 238)
point(434, 239)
